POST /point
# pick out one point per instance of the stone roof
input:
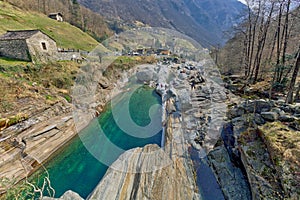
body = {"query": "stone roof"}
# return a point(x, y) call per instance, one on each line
point(18, 35)
point(54, 14)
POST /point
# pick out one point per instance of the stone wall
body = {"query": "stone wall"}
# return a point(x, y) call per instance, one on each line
point(38, 53)
point(16, 49)
point(67, 55)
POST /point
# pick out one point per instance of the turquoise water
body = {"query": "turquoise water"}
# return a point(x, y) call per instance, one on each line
point(76, 169)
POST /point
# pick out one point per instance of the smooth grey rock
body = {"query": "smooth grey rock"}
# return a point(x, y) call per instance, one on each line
point(277, 110)
point(270, 116)
point(239, 125)
point(236, 112)
point(68, 195)
point(257, 106)
point(231, 179)
point(286, 118)
point(153, 182)
point(258, 119)
point(297, 109)
point(287, 108)
point(182, 76)
point(145, 75)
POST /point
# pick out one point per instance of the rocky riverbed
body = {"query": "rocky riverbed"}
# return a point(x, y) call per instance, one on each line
point(169, 172)
point(252, 147)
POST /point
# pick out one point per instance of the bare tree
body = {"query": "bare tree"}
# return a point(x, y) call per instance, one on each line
point(264, 27)
point(297, 96)
point(289, 98)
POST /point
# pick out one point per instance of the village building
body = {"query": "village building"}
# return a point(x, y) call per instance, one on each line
point(56, 16)
point(164, 52)
point(28, 45)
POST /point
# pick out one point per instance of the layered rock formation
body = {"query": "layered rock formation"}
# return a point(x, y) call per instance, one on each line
point(31, 142)
point(167, 182)
point(153, 172)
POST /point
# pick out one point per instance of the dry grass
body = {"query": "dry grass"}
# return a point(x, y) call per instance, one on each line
point(28, 85)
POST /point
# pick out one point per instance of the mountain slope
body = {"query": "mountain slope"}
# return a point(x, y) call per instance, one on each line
point(73, 12)
point(66, 35)
point(203, 20)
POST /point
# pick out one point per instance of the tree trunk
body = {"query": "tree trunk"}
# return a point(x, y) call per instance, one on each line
point(277, 70)
point(285, 40)
point(289, 98)
point(262, 41)
point(253, 40)
point(248, 62)
point(286, 28)
point(297, 96)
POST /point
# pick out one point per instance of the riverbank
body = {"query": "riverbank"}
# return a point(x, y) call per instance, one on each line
point(27, 145)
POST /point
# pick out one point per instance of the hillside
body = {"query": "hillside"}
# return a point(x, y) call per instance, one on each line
point(204, 21)
point(40, 84)
point(73, 12)
point(231, 55)
point(66, 35)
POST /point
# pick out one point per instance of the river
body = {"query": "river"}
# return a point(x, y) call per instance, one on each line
point(75, 168)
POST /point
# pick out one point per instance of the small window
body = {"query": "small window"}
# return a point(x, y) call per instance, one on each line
point(44, 46)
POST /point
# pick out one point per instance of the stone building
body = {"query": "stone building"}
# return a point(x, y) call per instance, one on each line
point(56, 16)
point(28, 45)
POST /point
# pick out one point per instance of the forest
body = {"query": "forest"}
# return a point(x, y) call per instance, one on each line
point(266, 47)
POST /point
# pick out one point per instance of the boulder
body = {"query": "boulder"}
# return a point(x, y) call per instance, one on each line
point(287, 108)
point(270, 116)
point(257, 106)
point(231, 179)
point(258, 119)
point(103, 82)
point(297, 109)
point(182, 76)
point(145, 75)
point(240, 125)
point(68, 195)
point(278, 111)
point(236, 112)
point(286, 118)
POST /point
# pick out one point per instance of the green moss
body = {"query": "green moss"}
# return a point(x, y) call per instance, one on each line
point(68, 98)
point(16, 119)
point(49, 97)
